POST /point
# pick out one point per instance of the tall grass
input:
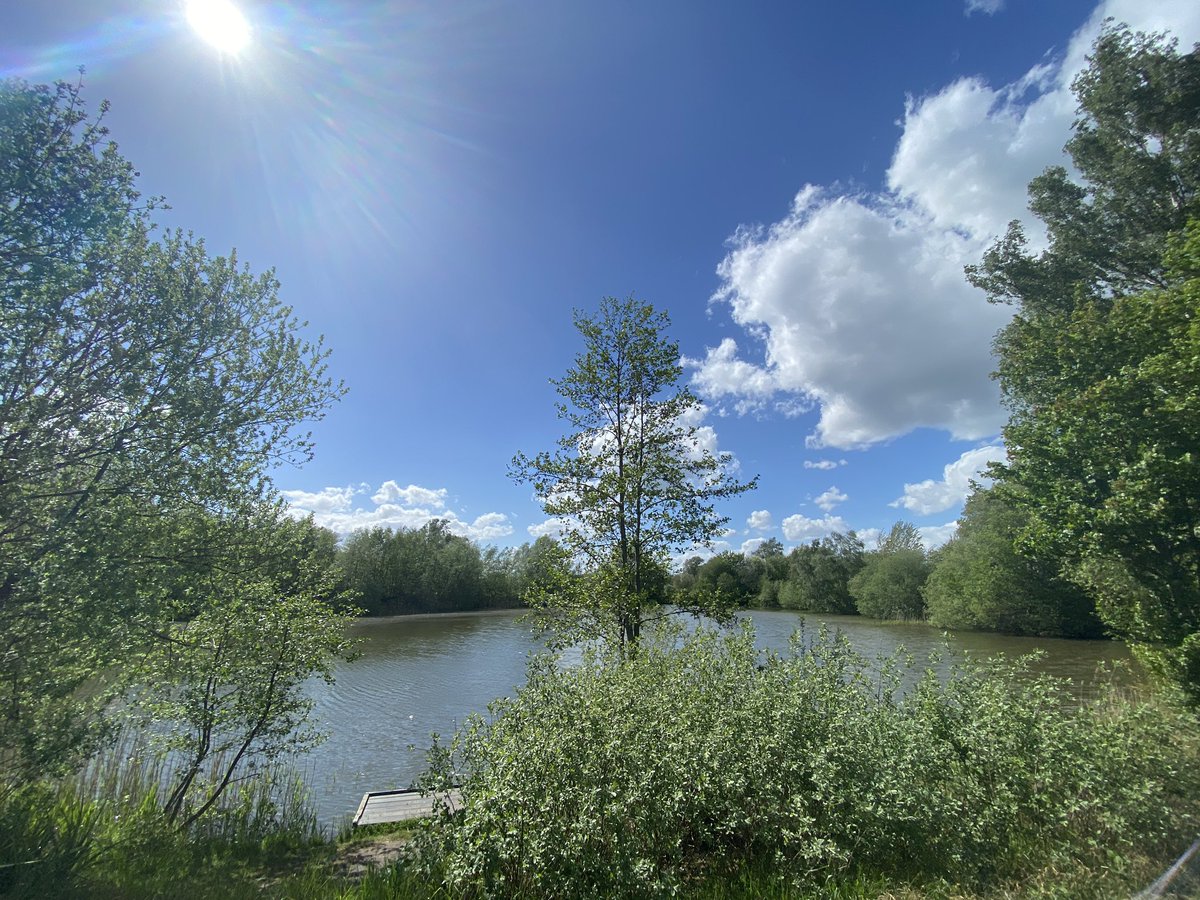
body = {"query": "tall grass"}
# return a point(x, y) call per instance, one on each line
point(102, 832)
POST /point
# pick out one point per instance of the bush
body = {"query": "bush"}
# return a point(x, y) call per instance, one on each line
point(687, 764)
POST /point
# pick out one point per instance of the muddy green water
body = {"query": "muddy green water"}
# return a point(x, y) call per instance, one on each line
point(418, 675)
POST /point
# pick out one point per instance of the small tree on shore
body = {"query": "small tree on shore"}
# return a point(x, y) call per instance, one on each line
point(631, 481)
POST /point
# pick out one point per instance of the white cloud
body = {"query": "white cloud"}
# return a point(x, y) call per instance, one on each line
point(722, 374)
point(760, 520)
point(933, 536)
point(751, 544)
point(824, 464)
point(831, 498)
point(968, 152)
point(932, 496)
point(326, 500)
point(487, 527)
point(393, 507)
point(987, 7)
point(858, 304)
point(856, 301)
point(800, 529)
point(554, 527)
point(390, 492)
point(870, 537)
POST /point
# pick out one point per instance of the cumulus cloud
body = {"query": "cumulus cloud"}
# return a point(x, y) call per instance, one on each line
point(800, 528)
point(869, 536)
point(824, 464)
point(554, 527)
point(856, 300)
point(932, 496)
point(390, 492)
point(857, 304)
point(488, 527)
point(933, 536)
point(831, 498)
point(392, 507)
point(751, 544)
point(326, 500)
point(760, 520)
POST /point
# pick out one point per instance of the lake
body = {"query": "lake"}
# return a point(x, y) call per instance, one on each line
point(421, 674)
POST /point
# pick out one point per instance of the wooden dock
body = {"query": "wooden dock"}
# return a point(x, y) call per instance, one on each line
point(379, 807)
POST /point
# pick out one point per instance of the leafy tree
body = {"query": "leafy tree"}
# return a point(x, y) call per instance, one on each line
point(226, 691)
point(631, 479)
point(731, 573)
point(1136, 148)
point(431, 569)
point(143, 382)
point(979, 581)
point(819, 574)
point(889, 585)
point(901, 536)
point(771, 566)
point(771, 548)
point(1098, 364)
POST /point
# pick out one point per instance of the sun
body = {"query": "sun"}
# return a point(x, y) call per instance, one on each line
point(220, 23)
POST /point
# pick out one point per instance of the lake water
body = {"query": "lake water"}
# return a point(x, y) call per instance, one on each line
point(421, 674)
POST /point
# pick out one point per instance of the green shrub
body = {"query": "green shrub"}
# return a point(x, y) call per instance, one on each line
point(687, 764)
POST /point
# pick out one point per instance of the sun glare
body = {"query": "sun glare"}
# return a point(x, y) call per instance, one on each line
point(220, 23)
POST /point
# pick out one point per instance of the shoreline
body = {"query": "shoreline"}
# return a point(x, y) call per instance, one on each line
point(439, 615)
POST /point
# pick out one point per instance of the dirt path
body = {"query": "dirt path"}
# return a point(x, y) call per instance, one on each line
point(355, 860)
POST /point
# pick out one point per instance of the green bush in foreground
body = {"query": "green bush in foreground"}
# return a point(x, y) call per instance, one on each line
point(684, 766)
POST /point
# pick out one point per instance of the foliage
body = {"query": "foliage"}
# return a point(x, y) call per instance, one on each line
point(889, 585)
point(814, 577)
point(902, 536)
point(631, 481)
point(1136, 148)
point(147, 388)
point(979, 582)
point(1098, 365)
point(685, 764)
point(735, 575)
point(229, 684)
point(102, 834)
point(431, 569)
point(819, 574)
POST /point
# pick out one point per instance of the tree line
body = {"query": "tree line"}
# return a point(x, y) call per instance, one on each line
point(430, 569)
point(977, 581)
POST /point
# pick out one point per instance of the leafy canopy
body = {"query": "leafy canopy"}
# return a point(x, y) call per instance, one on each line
point(147, 389)
point(1099, 364)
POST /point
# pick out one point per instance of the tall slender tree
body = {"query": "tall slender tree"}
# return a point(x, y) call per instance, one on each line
point(631, 481)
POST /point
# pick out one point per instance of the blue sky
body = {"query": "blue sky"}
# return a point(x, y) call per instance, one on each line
point(439, 184)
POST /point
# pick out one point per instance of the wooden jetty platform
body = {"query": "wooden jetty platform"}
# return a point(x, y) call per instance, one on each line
point(379, 807)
